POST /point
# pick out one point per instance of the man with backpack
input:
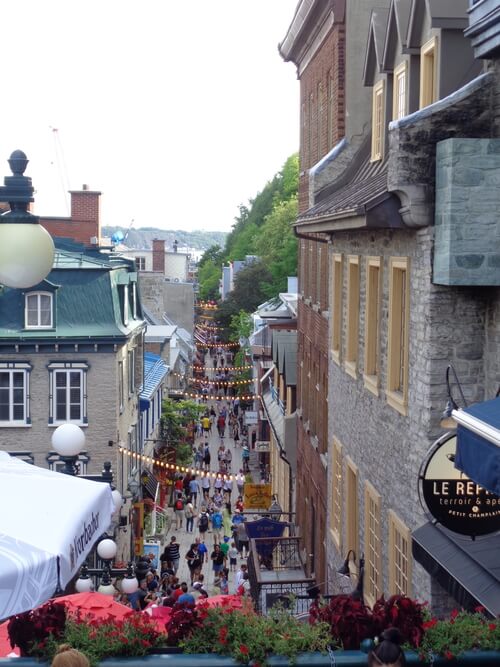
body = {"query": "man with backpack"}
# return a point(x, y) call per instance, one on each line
point(179, 511)
point(203, 522)
point(217, 525)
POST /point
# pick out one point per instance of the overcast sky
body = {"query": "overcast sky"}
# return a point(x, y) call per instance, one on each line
point(176, 110)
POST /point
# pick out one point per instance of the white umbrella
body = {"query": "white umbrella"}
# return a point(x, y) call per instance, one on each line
point(49, 522)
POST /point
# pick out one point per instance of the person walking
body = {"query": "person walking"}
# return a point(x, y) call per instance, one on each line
point(227, 521)
point(194, 489)
point(203, 523)
point(172, 554)
point(194, 562)
point(217, 526)
point(179, 511)
point(189, 513)
point(206, 456)
point(217, 558)
point(240, 482)
point(205, 486)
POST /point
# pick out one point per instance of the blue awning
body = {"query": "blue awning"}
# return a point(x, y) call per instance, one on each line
point(478, 443)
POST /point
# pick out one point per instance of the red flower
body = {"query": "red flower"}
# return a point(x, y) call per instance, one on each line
point(480, 609)
point(449, 655)
point(454, 613)
point(429, 624)
point(492, 626)
point(244, 649)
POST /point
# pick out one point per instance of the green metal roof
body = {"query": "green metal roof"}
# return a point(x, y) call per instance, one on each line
point(88, 295)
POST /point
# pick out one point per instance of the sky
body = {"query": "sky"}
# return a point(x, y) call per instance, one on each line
point(178, 111)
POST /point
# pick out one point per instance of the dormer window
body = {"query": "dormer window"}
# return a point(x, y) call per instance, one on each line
point(38, 310)
point(428, 73)
point(378, 114)
point(399, 106)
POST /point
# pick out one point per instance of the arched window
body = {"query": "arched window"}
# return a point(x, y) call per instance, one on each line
point(38, 310)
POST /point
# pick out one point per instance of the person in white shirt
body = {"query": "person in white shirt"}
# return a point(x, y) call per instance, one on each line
point(238, 580)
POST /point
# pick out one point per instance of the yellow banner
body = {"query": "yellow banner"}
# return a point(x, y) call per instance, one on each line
point(257, 496)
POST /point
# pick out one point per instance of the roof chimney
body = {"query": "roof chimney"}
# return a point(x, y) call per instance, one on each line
point(159, 255)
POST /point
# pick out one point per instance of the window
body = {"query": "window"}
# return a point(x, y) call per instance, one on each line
point(351, 504)
point(336, 497)
point(378, 113)
point(319, 123)
point(336, 307)
point(399, 104)
point(14, 394)
point(428, 73)
point(131, 372)
point(310, 131)
point(397, 351)
point(352, 330)
point(38, 310)
point(140, 263)
point(68, 392)
point(399, 556)
point(125, 305)
point(373, 550)
point(372, 320)
point(121, 385)
point(331, 100)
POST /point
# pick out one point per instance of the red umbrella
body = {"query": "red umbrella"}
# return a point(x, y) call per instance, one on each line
point(96, 605)
point(5, 647)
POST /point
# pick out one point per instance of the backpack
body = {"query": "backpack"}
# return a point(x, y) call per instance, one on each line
point(203, 525)
point(189, 512)
point(216, 520)
point(179, 505)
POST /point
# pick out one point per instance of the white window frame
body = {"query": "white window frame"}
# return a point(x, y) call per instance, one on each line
point(67, 367)
point(428, 89)
point(25, 369)
point(400, 91)
point(378, 121)
point(38, 325)
point(140, 263)
point(126, 308)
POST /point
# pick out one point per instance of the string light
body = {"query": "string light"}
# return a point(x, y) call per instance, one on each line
point(197, 367)
point(173, 466)
point(209, 327)
point(221, 345)
point(223, 383)
point(210, 397)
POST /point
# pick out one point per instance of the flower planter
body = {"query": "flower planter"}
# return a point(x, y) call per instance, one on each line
point(342, 659)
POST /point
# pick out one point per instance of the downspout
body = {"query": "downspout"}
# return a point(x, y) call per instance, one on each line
point(308, 237)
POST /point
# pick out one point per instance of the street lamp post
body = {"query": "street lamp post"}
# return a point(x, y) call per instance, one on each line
point(26, 248)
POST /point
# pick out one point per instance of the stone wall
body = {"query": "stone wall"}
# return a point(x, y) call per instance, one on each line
point(466, 213)
point(176, 300)
point(387, 447)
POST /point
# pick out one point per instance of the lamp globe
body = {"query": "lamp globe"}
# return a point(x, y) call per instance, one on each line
point(68, 440)
point(106, 549)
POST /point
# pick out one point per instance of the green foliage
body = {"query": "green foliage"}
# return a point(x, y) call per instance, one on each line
point(463, 631)
point(99, 639)
point(240, 325)
point(176, 418)
point(247, 637)
point(262, 228)
point(248, 293)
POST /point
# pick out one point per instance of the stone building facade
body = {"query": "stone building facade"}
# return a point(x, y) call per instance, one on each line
point(71, 350)
point(412, 283)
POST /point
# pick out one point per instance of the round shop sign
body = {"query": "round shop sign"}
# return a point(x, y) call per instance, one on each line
point(454, 500)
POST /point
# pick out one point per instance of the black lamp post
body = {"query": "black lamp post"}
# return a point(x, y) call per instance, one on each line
point(26, 248)
point(68, 441)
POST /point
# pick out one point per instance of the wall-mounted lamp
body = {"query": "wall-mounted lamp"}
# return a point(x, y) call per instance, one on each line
point(447, 422)
point(344, 570)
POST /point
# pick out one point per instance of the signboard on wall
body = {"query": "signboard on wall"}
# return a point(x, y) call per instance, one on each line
point(251, 417)
point(257, 496)
point(454, 500)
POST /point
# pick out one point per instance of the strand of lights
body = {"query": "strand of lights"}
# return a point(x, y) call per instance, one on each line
point(196, 367)
point(245, 397)
point(172, 466)
point(210, 327)
point(221, 345)
point(223, 383)
point(207, 305)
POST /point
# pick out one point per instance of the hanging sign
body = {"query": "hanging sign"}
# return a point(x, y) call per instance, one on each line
point(454, 500)
point(257, 496)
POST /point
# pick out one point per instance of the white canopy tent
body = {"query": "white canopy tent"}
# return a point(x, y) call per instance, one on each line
point(49, 522)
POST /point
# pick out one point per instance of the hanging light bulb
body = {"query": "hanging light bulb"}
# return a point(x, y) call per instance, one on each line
point(129, 583)
point(106, 549)
point(106, 587)
point(117, 499)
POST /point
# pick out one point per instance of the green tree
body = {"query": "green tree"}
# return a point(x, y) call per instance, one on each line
point(248, 292)
point(240, 326)
point(177, 418)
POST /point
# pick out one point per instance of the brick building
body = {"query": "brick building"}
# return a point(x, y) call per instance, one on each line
point(316, 43)
point(84, 223)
